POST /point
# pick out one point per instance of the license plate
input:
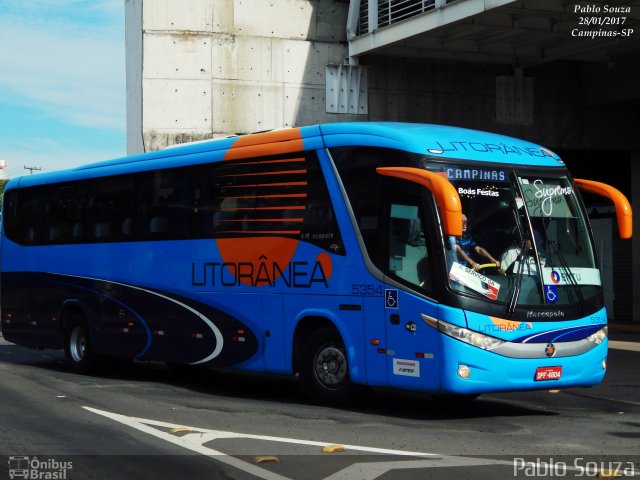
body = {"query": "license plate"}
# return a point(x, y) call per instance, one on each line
point(548, 373)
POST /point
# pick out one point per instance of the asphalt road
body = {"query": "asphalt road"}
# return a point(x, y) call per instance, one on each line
point(146, 421)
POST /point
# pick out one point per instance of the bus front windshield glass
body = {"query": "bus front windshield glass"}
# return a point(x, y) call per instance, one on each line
point(525, 238)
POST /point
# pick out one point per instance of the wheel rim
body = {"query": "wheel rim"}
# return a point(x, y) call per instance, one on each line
point(330, 366)
point(77, 344)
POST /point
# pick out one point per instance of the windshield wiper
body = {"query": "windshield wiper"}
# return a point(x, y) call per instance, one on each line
point(516, 286)
point(524, 253)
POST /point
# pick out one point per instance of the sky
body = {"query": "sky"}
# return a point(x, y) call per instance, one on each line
point(62, 83)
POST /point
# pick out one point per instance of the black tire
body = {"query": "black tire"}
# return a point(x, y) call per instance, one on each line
point(77, 345)
point(324, 370)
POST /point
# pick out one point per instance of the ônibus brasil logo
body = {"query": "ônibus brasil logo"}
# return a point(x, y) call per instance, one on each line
point(36, 469)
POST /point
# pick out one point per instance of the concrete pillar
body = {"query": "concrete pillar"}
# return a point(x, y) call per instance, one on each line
point(221, 67)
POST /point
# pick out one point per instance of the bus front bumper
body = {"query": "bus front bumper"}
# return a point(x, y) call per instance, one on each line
point(469, 370)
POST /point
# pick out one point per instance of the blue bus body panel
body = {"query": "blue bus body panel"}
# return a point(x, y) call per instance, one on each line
point(238, 302)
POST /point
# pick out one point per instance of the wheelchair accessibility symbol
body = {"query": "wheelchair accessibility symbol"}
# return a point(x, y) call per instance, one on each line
point(551, 292)
point(391, 298)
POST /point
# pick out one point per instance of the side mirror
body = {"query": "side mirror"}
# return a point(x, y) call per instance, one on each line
point(620, 202)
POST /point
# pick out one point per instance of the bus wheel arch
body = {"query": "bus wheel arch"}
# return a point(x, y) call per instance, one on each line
point(321, 359)
point(78, 347)
point(69, 310)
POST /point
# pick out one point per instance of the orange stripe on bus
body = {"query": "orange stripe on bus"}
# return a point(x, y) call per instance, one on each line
point(285, 207)
point(283, 160)
point(257, 174)
point(284, 184)
point(292, 220)
point(284, 195)
point(272, 232)
point(263, 144)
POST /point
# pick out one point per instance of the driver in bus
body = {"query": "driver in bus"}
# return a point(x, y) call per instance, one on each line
point(514, 253)
point(466, 246)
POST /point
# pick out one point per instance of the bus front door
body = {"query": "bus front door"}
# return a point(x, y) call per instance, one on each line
point(411, 345)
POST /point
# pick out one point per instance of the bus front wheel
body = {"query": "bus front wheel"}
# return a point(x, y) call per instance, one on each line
point(325, 369)
point(77, 345)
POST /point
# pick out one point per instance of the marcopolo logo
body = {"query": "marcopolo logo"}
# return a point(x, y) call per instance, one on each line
point(38, 469)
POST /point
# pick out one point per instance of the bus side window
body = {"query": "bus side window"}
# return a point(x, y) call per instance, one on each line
point(319, 225)
point(204, 202)
point(163, 204)
point(408, 256)
point(64, 213)
point(23, 220)
point(111, 202)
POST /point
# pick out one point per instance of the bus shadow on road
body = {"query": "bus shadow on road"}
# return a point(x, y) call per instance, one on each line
point(213, 383)
point(286, 390)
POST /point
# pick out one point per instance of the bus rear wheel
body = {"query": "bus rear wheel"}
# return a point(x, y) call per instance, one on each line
point(325, 369)
point(77, 345)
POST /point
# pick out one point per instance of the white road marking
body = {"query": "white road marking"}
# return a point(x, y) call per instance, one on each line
point(192, 441)
point(197, 437)
point(209, 435)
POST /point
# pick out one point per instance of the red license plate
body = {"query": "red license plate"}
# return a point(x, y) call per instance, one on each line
point(548, 373)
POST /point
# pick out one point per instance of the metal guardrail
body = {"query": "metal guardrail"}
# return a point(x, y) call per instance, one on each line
point(375, 14)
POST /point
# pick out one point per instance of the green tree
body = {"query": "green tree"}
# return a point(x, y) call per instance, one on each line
point(3, 183)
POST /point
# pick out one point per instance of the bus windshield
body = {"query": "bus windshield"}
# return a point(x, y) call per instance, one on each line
point(525, 238)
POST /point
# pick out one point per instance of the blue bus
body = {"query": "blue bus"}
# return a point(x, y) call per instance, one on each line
point(418, 257)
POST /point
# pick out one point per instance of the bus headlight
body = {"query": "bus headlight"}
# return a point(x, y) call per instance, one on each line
point(599, 336)
point(464, 372)
point(465, 335)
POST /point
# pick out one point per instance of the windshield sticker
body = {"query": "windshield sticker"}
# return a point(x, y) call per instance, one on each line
point(488, 191)
point(475, 174)
point(546, 200)
point(474, 280)
point(578, 275)
point(551, 293)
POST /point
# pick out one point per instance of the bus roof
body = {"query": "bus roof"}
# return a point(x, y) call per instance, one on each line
point(441, 141)
point(437, 141)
